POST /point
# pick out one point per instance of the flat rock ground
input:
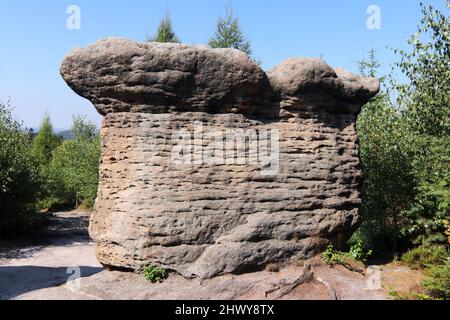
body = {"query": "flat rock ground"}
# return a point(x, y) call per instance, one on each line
point(41, 268)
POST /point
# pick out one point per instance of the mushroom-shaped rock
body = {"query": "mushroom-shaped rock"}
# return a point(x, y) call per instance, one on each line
point(270, 170)
point(120, 75)
point(314, 81)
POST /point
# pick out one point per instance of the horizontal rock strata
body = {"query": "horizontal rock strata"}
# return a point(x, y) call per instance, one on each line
point(178, 190)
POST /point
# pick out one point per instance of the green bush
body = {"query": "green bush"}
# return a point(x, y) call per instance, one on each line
point(425, 256)
point(359, 253)
point(155, 274)
point(395, 295)
point(438, 285)
point(332, 257)
point(43, 145)
point(435, 260)
point(71, 174)
point(19, 178)
point(405, 144)
point(45, 142)
point(353, 260)
point(74, 172)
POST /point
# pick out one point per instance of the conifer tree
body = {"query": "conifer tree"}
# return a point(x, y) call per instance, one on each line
point(45, 142)
point(229, 34)
point(165, 32)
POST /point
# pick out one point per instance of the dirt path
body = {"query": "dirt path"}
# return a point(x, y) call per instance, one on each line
point(40, 269)
point(47, 260)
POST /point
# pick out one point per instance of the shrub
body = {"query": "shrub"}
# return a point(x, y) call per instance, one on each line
point(19, 179)
point(395, 295)
point(359, 253)
point(332, 256)
point(425, 256)
point(73, 170)
point(438, 285)
point(404, 137)
point(45, 142)
point(155, 274)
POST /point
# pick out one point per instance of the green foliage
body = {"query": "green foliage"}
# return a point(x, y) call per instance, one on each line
point(421, 296)
point(405, 145)
point(395, 295)
point(426, 218)
point(369, 68)
point(425, 256)
point(40, 172)
point(435, 260)
point(427, 67)
point(331, 256)
point(389, 183)
point(438, 284)
point(165, 32)
point(45, 142)
point(155, 274)
point(425, 100)
point(357, 253)
point(229, 34)
point(73, 170)
point(83, 130)
point(18, 177)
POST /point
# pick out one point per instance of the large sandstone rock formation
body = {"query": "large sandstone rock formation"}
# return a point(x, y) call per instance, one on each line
point(171, 194)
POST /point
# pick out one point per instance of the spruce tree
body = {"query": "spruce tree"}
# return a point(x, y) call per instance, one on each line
point(45, 142)
point(165, 32)
point(369, 68)
point(229, 34)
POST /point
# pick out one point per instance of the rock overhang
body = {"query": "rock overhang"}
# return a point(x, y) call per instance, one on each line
point(201, 219)
point(120, 75)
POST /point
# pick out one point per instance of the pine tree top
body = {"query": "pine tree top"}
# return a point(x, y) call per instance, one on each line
point(229, 34)
point(165, 32)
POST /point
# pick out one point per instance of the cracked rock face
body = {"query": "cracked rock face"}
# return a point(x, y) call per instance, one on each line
point(233, 212)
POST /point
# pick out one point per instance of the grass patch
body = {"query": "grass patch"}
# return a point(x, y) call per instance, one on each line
point(425, 256)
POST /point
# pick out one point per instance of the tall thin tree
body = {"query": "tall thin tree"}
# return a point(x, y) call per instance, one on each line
point(229, 33)
point(165, 32)
point(45, 142)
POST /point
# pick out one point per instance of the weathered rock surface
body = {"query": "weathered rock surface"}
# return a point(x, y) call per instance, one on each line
point(120, 75)
point(201, 217)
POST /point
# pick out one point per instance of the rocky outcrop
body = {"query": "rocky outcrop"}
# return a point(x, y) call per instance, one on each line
point(210, 166)
point(119, 75)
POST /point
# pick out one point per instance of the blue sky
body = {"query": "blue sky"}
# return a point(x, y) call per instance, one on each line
point(35, 38)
